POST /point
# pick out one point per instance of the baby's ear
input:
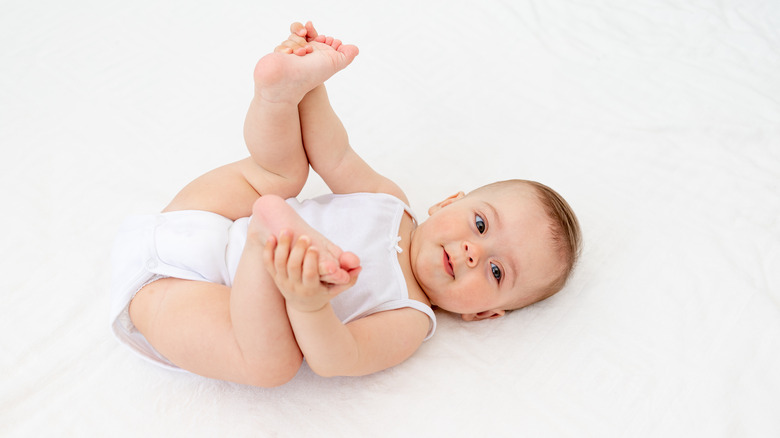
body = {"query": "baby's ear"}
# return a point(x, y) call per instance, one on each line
point(487, 314)
point(450, 199)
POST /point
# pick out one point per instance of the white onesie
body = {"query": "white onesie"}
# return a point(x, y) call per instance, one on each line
point(204, 246)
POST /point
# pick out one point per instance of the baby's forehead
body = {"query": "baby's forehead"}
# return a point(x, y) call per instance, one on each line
point(511, 199)
point(513, 188)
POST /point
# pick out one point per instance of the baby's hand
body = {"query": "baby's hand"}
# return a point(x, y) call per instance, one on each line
point(300, 40)
point(296, 274)
point(297, 42)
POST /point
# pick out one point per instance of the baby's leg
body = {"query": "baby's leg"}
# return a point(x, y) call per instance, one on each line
point(240, 334)
point(272, 128)
point(272, 133)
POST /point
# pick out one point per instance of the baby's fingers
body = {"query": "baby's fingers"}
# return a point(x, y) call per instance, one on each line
point(268, 255)
point(311, 274)
point(282, 253)
point(295, 261)
point(298, 29)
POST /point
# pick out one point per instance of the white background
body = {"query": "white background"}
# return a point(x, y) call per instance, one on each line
point(658, 120)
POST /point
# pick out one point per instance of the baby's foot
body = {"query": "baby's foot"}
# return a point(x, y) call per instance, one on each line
point(271, 214)
point(280, 77)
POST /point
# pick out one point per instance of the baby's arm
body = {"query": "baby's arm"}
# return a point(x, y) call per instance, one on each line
point(331, 348)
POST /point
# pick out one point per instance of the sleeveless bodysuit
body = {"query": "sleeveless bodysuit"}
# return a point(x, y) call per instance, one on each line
point(204, 246)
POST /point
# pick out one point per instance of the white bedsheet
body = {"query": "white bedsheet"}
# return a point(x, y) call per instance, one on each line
point(659, 121)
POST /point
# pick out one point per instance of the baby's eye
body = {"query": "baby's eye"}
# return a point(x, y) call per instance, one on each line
point(496, 271)
point(480, 224)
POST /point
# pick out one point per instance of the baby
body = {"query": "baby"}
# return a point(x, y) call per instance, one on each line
point(237, 280)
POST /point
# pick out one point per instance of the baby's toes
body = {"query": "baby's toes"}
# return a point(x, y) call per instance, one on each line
point(333, 42)
point(349, 261)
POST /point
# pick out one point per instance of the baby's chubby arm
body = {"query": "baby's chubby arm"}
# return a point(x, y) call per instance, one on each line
point(332, 348)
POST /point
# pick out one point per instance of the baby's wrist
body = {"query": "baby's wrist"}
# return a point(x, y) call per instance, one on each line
point(307, 308)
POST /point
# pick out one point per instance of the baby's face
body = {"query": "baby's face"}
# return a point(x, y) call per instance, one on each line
point(484, 253)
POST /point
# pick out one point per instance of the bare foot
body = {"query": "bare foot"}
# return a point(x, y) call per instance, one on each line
point(280, 77)
point(271, 215)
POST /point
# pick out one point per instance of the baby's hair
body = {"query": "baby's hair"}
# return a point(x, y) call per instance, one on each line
point(564, 229)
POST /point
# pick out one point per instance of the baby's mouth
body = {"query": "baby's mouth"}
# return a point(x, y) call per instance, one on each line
point(448, 264)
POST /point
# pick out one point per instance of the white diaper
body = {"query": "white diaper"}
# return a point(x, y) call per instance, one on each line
point(191, 245)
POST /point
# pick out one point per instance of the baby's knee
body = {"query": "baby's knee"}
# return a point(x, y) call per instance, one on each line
point(277, 375)
point(293, 180)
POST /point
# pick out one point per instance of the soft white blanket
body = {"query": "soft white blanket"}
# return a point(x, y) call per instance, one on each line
point(658, 120)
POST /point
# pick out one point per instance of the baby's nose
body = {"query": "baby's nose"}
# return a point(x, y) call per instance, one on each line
point(473, 253)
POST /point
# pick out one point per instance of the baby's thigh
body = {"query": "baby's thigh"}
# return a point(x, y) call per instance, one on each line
point(189, 323)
